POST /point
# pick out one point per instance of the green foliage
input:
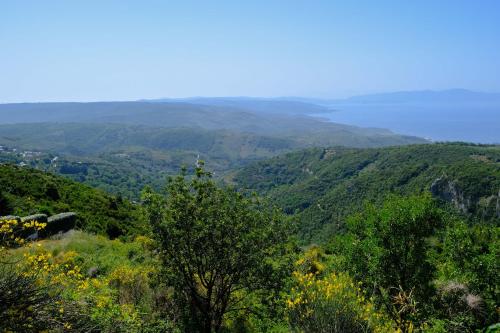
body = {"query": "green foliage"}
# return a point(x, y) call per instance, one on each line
point(93, 283)
point(468, 257)
point(120, 158)
point(427, 270)
point(387, 249)
point(29, 303)
point(324, 186)
point(475, 250)
point(28, 306)
point(332, 303)
point(217, 247)
point(222, 260)
point(30, 191)
point(5, 206)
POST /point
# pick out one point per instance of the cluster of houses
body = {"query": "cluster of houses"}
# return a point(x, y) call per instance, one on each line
point(25, 155)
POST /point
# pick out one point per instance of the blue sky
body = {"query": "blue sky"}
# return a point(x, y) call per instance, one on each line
point(126, 50)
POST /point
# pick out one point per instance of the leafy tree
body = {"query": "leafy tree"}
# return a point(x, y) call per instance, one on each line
point(217, 247)
point(387, 249)
point(5, 207)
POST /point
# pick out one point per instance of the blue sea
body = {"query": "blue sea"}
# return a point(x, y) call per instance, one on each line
point(479, 123)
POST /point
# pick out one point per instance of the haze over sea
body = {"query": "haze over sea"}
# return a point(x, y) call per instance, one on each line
point(471, 122)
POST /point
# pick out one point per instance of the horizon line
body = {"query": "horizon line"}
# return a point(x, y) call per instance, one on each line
point(269, 98)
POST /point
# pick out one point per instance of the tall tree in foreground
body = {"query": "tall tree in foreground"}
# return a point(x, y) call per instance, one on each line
point(217, 247)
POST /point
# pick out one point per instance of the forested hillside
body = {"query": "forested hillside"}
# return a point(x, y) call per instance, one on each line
point(25, 191)
point(244, 118)
point(323, 186)
point(122, 158)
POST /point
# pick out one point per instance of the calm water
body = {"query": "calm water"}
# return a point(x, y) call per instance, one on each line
point(472, 123)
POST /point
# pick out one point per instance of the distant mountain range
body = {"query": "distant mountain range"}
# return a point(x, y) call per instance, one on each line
point(449, 115)
point(450, 96)
point(289, 119)
point(254, 104)
point(317, 105)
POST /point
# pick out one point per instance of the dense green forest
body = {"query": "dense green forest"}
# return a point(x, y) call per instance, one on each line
point(324, 186)
point(25, 191)
point(122, 158)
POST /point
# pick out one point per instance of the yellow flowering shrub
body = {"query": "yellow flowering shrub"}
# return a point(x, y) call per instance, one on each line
point(311, 261)
point(333, 303)
point(31, 283)
point(40, 263)
point(146, 242)
point(13, 233)
point(81, 282)
point(100, 294)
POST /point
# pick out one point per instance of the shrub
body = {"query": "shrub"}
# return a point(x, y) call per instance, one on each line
point(388, 249)
point(469, 255)
point(29, 302)
point(333, 304)
point(30, 305)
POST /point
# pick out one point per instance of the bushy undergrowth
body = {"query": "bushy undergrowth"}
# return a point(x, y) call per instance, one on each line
point(223, 262)
point(108, 284)
point(332, 303)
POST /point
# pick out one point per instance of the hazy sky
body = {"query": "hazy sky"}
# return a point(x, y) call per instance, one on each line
point(125, 50)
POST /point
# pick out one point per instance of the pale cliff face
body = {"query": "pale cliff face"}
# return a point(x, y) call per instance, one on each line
point(448, 190)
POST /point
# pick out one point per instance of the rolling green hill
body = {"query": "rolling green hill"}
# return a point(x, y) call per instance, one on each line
point(323, 186)
point(25, 191)
point(122, 158)
point(288, 120)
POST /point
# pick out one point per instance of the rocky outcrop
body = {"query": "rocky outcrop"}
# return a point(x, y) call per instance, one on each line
point(60, 223)
point(486, 207)
point(42, 218)
point(55, 224)
point(448, 190)
point(10, 218)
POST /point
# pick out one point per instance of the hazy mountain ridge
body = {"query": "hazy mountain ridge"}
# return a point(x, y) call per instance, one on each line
point(211, 117)
point(449, 115)
point(255, 104)
point(451, 96)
